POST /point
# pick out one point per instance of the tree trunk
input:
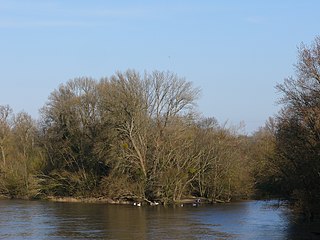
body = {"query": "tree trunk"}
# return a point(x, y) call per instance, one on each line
point(3, 156)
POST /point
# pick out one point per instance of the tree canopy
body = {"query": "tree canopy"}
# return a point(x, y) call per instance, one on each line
point(129, 136)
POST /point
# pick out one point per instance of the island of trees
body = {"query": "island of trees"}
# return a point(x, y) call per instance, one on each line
point(140, 137)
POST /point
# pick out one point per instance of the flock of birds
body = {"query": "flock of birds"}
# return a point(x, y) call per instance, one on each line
point(196, 203)
point(138, 204)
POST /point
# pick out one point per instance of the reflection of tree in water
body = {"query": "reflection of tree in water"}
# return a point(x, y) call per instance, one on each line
point(242, 220)
point(299, 229)
point(100, 221)
point(75, 220)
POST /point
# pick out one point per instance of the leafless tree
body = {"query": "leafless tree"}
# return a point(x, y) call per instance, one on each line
point(298, 129)
point(5, 128)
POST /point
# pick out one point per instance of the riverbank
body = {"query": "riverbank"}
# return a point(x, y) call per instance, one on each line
point(86, 200)
point(3, 197)
point(185, 201)
point(105, 200)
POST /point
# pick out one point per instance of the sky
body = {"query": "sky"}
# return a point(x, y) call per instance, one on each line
point(234, 51)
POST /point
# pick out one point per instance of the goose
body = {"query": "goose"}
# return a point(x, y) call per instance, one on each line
point(154, 203)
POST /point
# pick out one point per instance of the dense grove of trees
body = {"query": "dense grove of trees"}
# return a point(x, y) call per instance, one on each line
point(289, 144)
point(124, 137)
point(140, 137)
point(297, 136)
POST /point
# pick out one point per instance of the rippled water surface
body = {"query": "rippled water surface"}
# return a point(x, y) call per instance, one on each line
point(243, 220)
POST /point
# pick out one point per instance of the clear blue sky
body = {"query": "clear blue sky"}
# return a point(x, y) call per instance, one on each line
point(235, 51)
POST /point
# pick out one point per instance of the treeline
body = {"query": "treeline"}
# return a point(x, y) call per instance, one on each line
point(290, 164)
point(123, 137)
point(141, 137)
point(296, 156)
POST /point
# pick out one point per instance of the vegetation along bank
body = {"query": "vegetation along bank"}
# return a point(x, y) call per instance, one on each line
point(133, 137)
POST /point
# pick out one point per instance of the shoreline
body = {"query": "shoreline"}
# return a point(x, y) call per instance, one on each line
point(105, 200)
point(86, 200)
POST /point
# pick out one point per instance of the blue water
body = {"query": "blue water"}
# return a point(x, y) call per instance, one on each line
point(242, 220)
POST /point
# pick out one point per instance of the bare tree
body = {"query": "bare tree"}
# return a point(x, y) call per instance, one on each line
point(140, 110)
point(25, 133)
point(298, 129)
point(71, 124)
point(5, 128)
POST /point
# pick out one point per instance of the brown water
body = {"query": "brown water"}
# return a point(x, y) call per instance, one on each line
point(243, 220)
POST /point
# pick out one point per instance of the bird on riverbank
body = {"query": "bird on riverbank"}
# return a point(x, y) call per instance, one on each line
point(196, 203)
point(154, 203)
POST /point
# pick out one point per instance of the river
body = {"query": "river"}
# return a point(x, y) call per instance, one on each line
point(241, 220)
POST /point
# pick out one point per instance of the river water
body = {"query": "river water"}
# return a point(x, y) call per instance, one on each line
point(242, 220)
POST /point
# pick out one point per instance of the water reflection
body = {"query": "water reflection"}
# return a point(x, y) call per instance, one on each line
point(243, 220)
point(302, 230)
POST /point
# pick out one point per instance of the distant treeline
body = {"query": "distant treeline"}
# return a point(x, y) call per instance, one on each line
point(140, 137)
